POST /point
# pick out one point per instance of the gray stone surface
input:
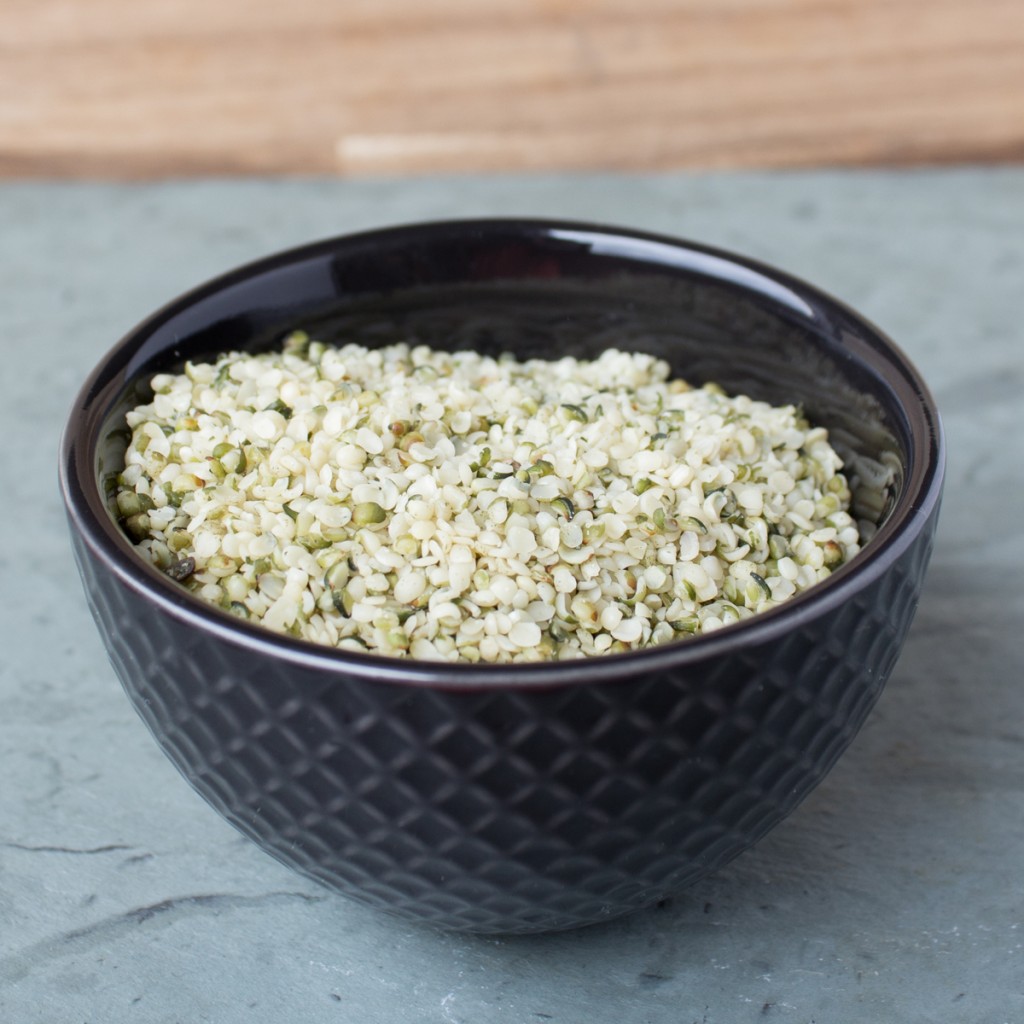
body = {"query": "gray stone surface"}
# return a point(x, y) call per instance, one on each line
point(895, 893)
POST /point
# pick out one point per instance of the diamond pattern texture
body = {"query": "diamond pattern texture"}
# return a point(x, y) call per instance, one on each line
point(502, 810)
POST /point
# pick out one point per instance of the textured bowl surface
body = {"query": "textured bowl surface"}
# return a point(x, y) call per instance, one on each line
point(530, 797)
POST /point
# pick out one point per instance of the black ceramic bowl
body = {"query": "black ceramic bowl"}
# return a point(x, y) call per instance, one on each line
point(530, 797)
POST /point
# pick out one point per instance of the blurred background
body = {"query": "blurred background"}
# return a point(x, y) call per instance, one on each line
point(127, 90)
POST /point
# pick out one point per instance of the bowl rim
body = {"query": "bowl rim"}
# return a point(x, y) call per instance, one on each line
point(918, 500)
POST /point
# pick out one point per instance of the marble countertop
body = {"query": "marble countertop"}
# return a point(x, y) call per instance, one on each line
point(894, 893)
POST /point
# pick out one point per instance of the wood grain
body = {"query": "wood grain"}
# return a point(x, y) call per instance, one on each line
point(113, 88)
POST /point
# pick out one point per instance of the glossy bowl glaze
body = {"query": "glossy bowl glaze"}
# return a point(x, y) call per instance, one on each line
point(530, 797)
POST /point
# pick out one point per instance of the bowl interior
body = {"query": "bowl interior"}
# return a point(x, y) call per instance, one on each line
point(540, 290)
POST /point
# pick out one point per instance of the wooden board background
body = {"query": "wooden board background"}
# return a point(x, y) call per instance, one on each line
point(135, 89)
